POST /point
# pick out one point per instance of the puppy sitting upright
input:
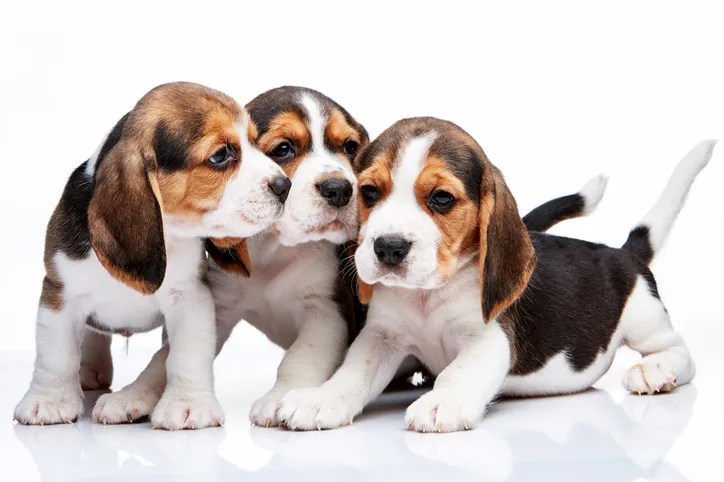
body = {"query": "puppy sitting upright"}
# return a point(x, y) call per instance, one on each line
point(446, 260)
point(284, 280)
point(124, 247)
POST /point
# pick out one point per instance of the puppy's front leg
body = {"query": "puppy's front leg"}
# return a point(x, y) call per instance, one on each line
point(370, 364)
point(54, 395)
point(466, 385)
point(309, 361)
point(138, 399)
point(189, 400)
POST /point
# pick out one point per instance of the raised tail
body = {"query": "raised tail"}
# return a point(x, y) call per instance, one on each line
point(646, 239)
point(582, 203)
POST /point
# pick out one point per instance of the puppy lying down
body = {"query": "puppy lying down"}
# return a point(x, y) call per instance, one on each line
point(453, 277)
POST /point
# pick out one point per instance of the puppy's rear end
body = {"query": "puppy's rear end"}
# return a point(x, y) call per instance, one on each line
point(586, 299)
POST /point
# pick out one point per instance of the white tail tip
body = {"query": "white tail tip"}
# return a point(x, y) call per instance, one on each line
point(699, 156)
point(662, 215)
point(592, 193)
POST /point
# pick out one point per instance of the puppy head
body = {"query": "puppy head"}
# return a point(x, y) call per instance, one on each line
point(180, 163)
point(429, 201)
point(315, 141)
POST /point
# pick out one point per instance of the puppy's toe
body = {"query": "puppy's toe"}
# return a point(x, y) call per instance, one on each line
point(439, 411)
point(125, 406)
point(190, 412)
point(648, 378)
point(263, 412)
point(64, 406)
point(315, 409)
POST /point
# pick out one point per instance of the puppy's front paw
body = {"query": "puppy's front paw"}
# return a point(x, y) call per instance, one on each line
point(64, 406)
point(175, 412)
point(125, 406)
point(649, 378)
point(316, 409)
point(440, 411)
point(263, 412)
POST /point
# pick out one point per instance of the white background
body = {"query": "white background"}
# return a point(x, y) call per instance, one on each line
point(554, 91)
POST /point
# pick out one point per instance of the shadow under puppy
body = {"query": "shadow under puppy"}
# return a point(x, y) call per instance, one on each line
point(125, 247)
point(451, 275)
point(285, 280)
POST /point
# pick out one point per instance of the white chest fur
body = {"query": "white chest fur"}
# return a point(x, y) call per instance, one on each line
point(283, 278)
point(93, 291)
point(431, 324)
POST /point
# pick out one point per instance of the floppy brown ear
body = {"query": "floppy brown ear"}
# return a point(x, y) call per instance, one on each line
point(507, 256)
point(124, 218)
point(230, 254)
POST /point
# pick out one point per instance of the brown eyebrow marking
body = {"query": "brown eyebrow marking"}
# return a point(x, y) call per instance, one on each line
point(290, 126)
point(338, 130)
point(379, 174)
point(287, 125)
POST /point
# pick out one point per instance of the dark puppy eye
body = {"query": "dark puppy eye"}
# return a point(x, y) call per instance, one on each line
point(221, 158)
point(441, 201)
point(370, 194)
point(282, 152)
point(351, 147)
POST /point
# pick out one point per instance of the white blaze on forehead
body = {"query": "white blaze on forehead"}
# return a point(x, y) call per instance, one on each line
point(410, 162)
point(400, 211)
point(320, 158)
point(317, 121)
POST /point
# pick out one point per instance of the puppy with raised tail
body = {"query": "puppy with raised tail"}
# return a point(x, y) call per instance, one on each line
point(125, 249)
point(454, 278)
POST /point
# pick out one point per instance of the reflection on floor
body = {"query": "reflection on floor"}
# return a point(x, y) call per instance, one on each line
point(596, 435)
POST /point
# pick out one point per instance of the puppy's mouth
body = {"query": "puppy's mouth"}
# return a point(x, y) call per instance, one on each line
point(400, 276)
point(335, 225)
point(338, 227)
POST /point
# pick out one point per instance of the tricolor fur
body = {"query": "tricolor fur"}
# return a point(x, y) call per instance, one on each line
point(292, 292)
point(456, 280)
point(124, 252)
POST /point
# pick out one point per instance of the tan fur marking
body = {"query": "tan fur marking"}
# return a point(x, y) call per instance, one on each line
point(51, 296)
point(379, 174)
point(240, 250)
point(338, 131)
point(458, 226)
point(252, 131)
point(287, 126)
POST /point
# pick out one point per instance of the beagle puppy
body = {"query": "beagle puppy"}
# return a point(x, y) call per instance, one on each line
point(454, 278)
point(284, 280)
point(124, 248)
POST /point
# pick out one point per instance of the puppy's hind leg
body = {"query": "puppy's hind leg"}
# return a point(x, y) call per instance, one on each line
point(96, 364)
point(666, 361)
point(54, 395)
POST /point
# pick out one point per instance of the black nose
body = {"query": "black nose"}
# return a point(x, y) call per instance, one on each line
point(281, 186)
point(337, 192)
point(391, 249)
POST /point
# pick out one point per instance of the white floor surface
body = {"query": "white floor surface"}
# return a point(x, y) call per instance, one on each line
point(603, 434)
